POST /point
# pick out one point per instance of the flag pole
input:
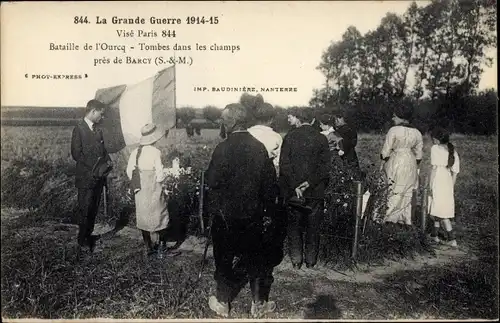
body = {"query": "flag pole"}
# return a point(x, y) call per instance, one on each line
point(175, 85)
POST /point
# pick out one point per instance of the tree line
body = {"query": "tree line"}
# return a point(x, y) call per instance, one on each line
point(430, 58)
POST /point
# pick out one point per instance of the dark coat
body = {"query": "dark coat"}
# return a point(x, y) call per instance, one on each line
point(241, 177)
point(86, 148)
point(349, 142)
point(305, 156)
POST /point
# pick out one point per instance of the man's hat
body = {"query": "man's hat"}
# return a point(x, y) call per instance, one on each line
point(299, 204)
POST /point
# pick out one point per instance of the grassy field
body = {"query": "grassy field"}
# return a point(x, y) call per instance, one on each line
point(41, 278)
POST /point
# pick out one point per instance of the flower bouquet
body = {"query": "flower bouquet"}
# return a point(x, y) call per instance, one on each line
point(178, 179)
point(339, 193)
point(182, 185)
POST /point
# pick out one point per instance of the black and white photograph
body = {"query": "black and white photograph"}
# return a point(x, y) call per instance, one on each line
point(255, 160)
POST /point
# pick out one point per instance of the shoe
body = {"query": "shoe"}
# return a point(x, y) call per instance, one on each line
point(309, 266)
point(260, 308)
point(81, 252)
point(172, 253)
point(270, 306)
point(434, 239)
point(220, 308)
point(452, 243)
point(95, 242)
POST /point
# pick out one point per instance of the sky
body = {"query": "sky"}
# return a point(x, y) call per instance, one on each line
point(280, 46)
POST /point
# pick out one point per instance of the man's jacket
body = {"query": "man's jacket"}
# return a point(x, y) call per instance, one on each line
point(305, 156)
point(241, 178)
point(87, 147)
point(349, 142)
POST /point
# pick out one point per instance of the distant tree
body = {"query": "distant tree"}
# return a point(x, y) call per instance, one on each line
point(407, 33)
point(444, 43)
point(439, 12)
point(374, 61)
point(422, 48)
point(186, 114)
point(389, 43)
point(351, 48)
point(212, 113)
point(452, 68)
point(478, 25)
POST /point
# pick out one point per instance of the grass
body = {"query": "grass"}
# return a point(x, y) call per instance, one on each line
point(41, 277)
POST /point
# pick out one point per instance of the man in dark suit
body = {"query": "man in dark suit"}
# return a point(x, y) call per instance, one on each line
point(87, 149)
point(242, 183)
point(304, 165)
point(349, 142)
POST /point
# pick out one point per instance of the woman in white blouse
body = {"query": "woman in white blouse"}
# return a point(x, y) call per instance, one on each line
point(150, 201)
point(401, 153)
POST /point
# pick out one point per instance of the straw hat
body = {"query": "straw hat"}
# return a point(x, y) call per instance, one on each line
point(151, 133)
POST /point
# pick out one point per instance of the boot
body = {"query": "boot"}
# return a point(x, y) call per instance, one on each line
point(434, 239)
point(261, 304)
point(434, 234)
point(261, 308)
point(146, 236)
point(451, 241)
point(220, 308)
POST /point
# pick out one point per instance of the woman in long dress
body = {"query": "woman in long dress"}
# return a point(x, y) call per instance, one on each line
point(445, 168)
point(150, 200)
point(401, 153)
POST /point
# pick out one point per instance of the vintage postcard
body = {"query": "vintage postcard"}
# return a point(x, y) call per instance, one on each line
point(249, 160)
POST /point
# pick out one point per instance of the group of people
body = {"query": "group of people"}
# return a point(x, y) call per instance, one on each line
point(264, 189)
point(191, 129)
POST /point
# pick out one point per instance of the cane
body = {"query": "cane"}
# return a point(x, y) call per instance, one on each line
point(200, 207)
point(209, 238)
point(106, 204)
point(105, 198)
point(200, 214)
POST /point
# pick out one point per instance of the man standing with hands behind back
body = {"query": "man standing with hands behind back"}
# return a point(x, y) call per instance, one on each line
point(304, 162)
point(92, 166)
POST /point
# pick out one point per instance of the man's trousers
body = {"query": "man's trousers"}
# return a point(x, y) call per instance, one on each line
point(308, 243)
point(239, 258)
point(88, 204)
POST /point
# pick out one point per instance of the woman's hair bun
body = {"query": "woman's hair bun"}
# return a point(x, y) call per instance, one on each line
point(248, 100)
point(251, 101)
point(259, 100)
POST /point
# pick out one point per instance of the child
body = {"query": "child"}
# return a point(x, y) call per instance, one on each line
point(445, 167)
point(150, 201)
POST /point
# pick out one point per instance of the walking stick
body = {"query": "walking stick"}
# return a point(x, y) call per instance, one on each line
point(200, 207)
point(105, 190)
point(105, 200)
point(200, 214)
point(207, 244)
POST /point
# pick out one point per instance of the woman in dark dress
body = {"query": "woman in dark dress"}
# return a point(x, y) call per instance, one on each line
point(340, 201)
